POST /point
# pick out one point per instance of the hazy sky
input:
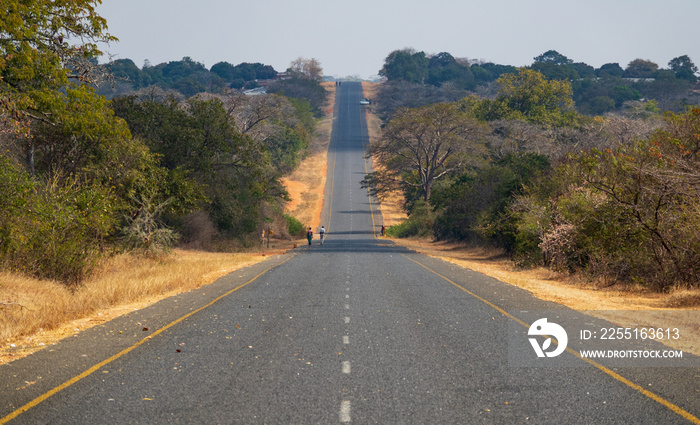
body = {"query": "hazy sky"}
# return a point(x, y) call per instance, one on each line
point(354, 37)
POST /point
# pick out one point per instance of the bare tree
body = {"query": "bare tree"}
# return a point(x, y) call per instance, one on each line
point(421, 145)
point(306, 68)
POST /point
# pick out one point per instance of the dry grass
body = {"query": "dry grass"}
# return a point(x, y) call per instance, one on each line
point(307, 183)
point(43, 312)
point(612, 303)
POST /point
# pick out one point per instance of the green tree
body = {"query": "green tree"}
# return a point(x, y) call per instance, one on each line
point(201, 139)
point(529, 96)
point(553, 57)
point(477, 204)
point(610, 70)
point(684, 68)
point(406, 65)
point(640, 68)
point(37, 57)
point(443, 67)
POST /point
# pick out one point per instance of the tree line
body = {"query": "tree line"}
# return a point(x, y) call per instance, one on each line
point(188, 78)
point(83, 176)
point(595, 91)
point(613, 197)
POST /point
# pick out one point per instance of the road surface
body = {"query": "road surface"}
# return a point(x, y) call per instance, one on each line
point(355, 331)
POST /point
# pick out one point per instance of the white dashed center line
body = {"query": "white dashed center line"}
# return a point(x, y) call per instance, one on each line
point(345, 411)
point(346, 340)
point(346, 367)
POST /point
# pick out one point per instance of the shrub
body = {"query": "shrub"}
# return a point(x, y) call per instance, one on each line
point(55, 230)
point(419, 223)
point(295, 227)
point(145, 233)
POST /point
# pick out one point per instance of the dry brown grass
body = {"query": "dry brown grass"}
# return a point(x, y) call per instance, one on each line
point(44, 312)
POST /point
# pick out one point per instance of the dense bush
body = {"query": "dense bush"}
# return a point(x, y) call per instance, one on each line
point(419, 222)
point(625, 214)
point(50, 230)
point(295, 227)
point(476, 205)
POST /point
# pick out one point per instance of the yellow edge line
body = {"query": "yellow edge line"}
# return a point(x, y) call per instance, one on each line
point(96, 367)
point(618, 377)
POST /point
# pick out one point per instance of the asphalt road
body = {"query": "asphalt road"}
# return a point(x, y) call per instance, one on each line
point(357, 330)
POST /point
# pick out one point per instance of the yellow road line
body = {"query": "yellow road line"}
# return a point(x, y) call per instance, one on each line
point(685, 414)
point(96, 367)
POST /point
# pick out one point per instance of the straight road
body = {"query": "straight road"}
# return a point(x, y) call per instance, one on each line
point(357, 330)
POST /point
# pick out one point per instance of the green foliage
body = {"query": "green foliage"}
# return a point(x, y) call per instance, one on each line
point(419, 223)
point(302, 88)
point(627, 214)
point(529, 96)
point(487, 72)
point(406, 65)
point(443, 68)
point(610, 70)
point(245, 72)
point(553, 57)
point(684, 68)
point(286, 147)
point(295, 227)
point(417, 67)
point(36, 57)
point(476, 206)
point(52, 230)
point(640, 68)
point(200, 140)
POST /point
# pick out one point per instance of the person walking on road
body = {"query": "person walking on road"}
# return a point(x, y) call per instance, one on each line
point(309, 235)
point(322, 234)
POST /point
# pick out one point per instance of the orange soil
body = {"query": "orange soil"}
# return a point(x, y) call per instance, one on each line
point(306, 184)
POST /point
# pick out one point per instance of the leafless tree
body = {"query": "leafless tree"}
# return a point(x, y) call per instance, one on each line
point(422, 145)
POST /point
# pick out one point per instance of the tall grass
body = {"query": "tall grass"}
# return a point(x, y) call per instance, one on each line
point(32, 305)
